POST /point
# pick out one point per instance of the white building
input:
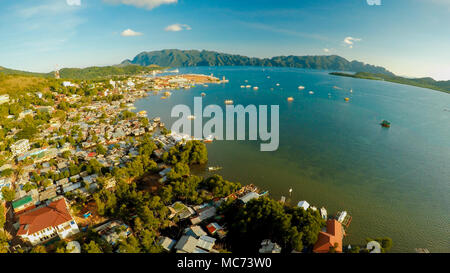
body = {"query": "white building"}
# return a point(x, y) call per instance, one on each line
point(67, 84)
point(20, 147)
point(45, 223)
point(303, 204)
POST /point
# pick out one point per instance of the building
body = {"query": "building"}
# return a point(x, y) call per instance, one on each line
point(249, 196)
point(4, 98)
point(20, 147)
point(45, 223)
point(166, 243)
point(23, 204)
point(331, 238)
point(303, 204)
point(267, 246)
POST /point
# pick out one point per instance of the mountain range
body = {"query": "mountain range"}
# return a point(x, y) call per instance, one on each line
point(183, 58)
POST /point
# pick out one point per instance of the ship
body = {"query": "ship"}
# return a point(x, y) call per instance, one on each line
point(311, 92)
point(301, 87)
point(255, 88)
point(212, 169)
point(385, 124)
point(290, 99)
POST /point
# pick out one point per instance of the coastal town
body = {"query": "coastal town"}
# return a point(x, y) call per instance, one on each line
point(81, 170)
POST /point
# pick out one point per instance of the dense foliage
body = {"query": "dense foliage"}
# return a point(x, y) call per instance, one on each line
point(265, 218)
point(419, 82)
point(177, 58)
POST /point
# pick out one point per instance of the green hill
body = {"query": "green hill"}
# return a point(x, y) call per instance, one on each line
point(429, 83)
point(181, 58)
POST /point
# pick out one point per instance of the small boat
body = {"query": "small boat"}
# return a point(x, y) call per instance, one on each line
point(191, 117)
point(347, 99)
point(311, 92)
point(301, 87)
point(248, 86)
point(255, 88)
point(351, 90)
point(337, 87)
point(385, 124)
point(208, 139)
point(203, 94)
point(242, 86)
point(163, 97)
point(212, 169)
point(246, 81)
point(277, 84)
point(228, 102)
point(268, 77)
point(290, 99)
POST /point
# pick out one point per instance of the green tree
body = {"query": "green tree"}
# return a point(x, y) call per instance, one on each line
point(92, 247)
point(8, 194)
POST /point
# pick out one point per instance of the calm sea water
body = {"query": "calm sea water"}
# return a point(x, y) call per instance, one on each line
point(393, 182)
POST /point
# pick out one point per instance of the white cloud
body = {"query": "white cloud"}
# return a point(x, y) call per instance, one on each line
point(177, 27)
point(130, 33)
point(73, 2)
point(148, 4)
point(349, 41)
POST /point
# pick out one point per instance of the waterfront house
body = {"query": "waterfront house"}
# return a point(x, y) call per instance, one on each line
point(45, 223)
point(303, 204)
point(331, 238)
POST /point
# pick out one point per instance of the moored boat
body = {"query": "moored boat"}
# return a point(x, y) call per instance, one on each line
point(385, 124)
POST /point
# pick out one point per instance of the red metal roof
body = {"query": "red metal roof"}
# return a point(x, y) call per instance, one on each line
point(53, 215)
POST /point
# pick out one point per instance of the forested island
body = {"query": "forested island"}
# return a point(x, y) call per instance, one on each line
point(429, 83)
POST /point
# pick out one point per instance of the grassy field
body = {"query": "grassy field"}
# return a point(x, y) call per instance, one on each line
point(12, 84)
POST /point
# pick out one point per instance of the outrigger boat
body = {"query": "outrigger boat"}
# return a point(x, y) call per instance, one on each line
point(385, 124)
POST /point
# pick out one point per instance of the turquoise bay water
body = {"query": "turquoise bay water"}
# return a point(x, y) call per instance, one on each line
point(394, 182)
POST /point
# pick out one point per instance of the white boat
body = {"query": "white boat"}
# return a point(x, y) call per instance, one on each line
point(311, 92)
point(351, 90)
point(323, 213)
point(301, 87)
point(341, 216)
point(208, 139)
point(277, 84)
point(255, 88)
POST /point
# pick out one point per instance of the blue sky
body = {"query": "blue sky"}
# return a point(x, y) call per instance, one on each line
point(409, 37)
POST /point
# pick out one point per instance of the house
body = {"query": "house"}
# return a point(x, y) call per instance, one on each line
point(186, 244)
point(113, 231)
point(20, 147)
point(331, 238)
point(303, 204)
point(206, 213)
point(195, 231)
point(267, 246)
point(166, 243)
point(45, 223)
point(213, 228)
point(206, 242)
point(249, 196)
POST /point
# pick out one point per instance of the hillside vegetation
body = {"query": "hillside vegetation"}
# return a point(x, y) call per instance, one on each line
point(182, 58)
point(429, 83)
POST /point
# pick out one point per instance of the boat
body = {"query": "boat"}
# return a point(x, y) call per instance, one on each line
point(385, 124)
point(255, 88)
point(347, 99)
point(277, 84)
point(311, 92)
point(351, 90)
point(191, 117)
point(290, 99)
point(228, 102)
point(268, 77)
point(163, 97)
point(301, 87)
point(212, 169)
point(203, 94)
point(242, 86)
point(167, 93)
point(248, 86)
point(205, 85)
point(208, 139)
point(337, 87)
